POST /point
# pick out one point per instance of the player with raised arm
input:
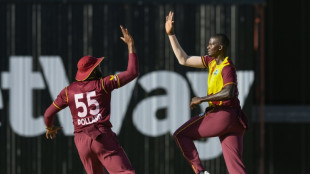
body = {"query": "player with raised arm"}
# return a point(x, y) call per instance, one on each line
point(224, 117)
point(89, 99)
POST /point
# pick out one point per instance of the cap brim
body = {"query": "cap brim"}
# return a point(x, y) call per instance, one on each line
point(81, 76)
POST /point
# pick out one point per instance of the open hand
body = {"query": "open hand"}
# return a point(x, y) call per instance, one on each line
point(169, 25)
point(195, 101)
point(126, 36)
point(51, 132)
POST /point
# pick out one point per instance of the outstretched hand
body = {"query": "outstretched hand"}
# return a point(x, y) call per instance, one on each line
point(169, 25)
point(126, 36)
point(128, 40)
point(51, 132)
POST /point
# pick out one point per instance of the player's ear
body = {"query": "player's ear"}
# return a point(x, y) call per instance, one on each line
point(220, 47)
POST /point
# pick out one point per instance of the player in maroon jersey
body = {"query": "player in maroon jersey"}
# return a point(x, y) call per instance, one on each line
point(224, 117)
point(89, 99)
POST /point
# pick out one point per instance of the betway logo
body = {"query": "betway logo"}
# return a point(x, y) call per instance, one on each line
point(21, 81)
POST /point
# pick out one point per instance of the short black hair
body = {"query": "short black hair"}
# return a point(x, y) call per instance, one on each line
point(223, 39)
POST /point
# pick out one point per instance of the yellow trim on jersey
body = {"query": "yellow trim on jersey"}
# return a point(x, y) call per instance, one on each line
point(203, 62)
point(229, 83)
point(56, 106)
point(66, 94)
point(193, 168)
point(103, 86)
point(118, 82)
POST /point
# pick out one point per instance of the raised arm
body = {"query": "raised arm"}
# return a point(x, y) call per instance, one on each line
point(183, 58)
point(133, 65)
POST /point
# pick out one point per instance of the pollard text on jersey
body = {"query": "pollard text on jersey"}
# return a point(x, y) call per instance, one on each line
point(86, 121)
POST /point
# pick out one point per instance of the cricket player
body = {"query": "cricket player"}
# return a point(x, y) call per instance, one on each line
point(224, 117)
point(89, 99)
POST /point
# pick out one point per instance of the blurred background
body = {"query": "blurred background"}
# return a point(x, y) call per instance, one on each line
point(42, 41)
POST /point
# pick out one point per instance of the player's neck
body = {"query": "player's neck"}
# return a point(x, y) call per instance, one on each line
point(219, 59)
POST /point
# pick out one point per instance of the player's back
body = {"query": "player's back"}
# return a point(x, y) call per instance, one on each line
point(89, 103)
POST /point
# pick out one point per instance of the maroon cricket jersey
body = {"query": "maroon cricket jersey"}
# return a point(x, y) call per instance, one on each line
point(90, 100)
point(219, 77)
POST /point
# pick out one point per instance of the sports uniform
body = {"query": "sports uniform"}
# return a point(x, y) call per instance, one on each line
point(89, 102)
point(222, 118)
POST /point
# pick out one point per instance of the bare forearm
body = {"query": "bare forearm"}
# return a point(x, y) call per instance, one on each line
point(177, 49)
point(131, 48)
point(225, 94)
point(215, 97)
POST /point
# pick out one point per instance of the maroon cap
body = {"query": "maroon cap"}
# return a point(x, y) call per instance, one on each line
point(85, 66)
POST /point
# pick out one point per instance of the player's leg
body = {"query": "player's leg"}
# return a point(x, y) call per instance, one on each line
point(185, 142)
point(210, 124)
point(232, 146)
point(111, 154)
point(119, 163)
point(90, 162)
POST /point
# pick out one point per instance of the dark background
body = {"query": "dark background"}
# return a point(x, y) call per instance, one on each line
point(287, 83)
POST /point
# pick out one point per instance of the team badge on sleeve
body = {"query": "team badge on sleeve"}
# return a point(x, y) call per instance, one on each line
point(116, 79)
point(113, 77)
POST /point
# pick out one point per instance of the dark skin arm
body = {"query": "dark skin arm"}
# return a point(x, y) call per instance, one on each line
point(225, 94)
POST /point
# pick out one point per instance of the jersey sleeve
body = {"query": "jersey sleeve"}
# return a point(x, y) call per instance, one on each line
point(62, 99)
point(206, 60)
point(118, 80)
point(59, 103)
point(109, 83)
point(229, 75)
point(50, 114)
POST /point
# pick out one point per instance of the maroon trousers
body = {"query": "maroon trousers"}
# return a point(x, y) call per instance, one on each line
point(224, 123)
point(102, 152)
